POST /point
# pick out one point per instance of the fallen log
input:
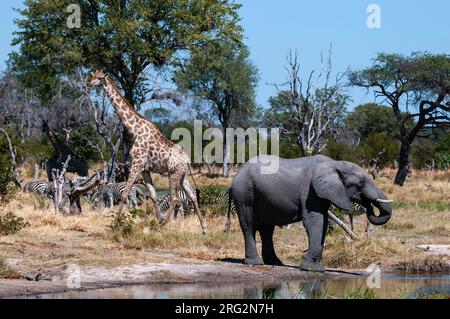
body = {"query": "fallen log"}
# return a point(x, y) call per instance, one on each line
point(343, 225)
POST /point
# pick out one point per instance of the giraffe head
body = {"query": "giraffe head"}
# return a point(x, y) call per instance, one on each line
point(97, 78)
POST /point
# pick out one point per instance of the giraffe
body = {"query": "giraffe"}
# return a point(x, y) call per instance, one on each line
point(60, 153)
point(151, 152)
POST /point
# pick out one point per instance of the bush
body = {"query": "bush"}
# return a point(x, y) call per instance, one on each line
point(208, 197)
point(340, 152)
point(442, 152)
point(11, 224)
point(374, 144)
point(122, 224)
point(6, 179)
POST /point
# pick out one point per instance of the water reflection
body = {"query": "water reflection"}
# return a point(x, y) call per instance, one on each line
point(392, 286)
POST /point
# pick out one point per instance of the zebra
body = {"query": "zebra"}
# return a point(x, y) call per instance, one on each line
point(221, 199)
point(39, 187)
point(111, 194)
point(183, 201)
point(356, 210)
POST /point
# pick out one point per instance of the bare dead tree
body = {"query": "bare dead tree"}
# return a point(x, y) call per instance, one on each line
point(59, 181)
point(13, 154)
point(374, 168)
point(316, 105)
point(80, 186)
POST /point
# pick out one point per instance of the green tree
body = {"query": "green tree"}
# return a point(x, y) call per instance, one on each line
point(123, 38)
point(420, 81)
point(374, 118)
point(128, 39)
point(375, 143)
point(222, 77)
point(442, 151)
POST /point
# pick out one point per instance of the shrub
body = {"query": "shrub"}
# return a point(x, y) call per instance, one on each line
point(375, 143)
point(6, 179)
point(340, 151)
point(122, 224)
point(11, 224)
point(208, 196)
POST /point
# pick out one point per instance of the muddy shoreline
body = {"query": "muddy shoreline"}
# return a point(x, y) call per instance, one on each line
point(163, 273)
point(174, 270)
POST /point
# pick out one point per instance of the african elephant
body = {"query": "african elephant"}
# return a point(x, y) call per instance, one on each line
point(300, 189)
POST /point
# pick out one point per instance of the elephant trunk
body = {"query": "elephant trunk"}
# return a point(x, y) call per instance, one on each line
point(380, 201)
point(385, 213)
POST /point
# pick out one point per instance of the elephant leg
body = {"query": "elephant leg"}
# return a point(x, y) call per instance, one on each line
point(249, 230)
point(315, 224)
point(268, 251)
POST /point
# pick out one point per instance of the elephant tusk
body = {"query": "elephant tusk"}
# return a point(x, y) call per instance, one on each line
point(384, 200)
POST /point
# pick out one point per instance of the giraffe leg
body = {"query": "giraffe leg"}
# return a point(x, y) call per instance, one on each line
point(151, 189)
point(134, 173)
point(191, 194)
point(174, 184)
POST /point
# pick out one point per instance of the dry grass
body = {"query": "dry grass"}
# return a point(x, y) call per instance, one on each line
point(421, 216)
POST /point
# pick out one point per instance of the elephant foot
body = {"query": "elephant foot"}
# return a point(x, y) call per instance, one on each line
point(273, 261)
point(313, 267)
point(253, 261)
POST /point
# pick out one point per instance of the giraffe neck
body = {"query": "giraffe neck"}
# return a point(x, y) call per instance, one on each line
point(127, 114)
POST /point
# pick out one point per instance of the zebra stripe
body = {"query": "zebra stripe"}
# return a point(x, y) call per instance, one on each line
point(39, 187)
point(111, 194)
point(183, 200)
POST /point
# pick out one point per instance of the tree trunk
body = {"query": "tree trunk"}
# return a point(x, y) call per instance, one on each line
point(75, 206)
point(37, 172)
point(403, 163)
point(226, 157)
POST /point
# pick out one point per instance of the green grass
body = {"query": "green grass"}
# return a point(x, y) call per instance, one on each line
point(360, 293)
point(434, 295)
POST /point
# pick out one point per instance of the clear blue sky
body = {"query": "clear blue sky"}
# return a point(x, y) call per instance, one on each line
point(274, 27)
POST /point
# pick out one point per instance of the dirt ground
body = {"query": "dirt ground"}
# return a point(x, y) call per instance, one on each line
point(39, 258)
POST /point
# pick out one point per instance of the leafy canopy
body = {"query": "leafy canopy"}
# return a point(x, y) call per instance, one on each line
point(122, 37)
point(373, 118)
point(222, 75)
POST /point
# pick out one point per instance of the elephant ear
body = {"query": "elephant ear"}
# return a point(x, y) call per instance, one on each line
point(328, 185)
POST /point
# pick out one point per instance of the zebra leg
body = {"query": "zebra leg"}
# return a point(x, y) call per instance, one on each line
point(110, 198)
point(181, 208)
point(350, 217)
point(132, 200)
point(191, 194)
point(134, 173)
point(151, 189)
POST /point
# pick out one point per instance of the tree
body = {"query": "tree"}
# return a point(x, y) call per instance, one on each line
point(420, 81)
point(127, 39)
point(222, 76)
point(310, 112)
point(374, 118)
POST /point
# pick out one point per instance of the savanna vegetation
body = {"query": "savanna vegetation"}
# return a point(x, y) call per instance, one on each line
point(176, 61)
